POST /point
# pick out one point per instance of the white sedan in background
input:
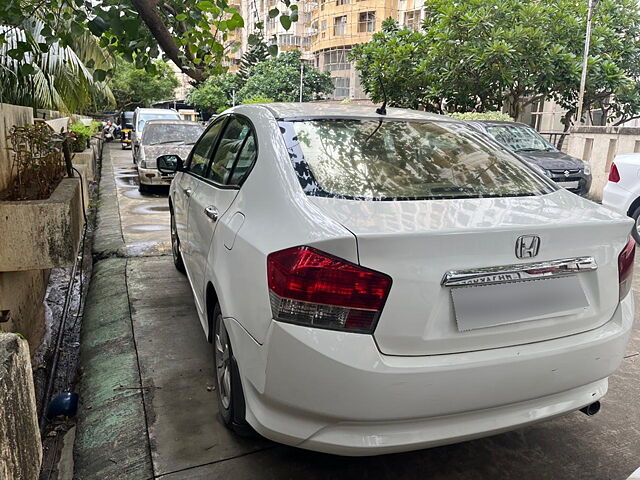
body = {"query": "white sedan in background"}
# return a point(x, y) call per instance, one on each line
point(375, 283)
point(622, 191)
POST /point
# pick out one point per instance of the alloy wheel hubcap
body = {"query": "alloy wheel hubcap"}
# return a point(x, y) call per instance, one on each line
point(223, 364)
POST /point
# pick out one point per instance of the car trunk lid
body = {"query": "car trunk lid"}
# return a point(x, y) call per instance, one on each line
point(418, 242)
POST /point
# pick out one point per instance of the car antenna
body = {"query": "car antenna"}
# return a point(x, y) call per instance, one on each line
point(382, 110)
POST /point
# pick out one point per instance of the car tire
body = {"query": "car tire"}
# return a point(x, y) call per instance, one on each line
point(175, 246)
point(142, 188)
point(123, 147)
point(231, 405)
point(634, 231)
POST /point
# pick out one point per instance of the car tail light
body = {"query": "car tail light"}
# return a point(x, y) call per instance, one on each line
point(313, 288)
point(625, 267)
point(614, 175)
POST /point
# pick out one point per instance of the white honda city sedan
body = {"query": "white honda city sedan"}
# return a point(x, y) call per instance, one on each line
point(379, 283)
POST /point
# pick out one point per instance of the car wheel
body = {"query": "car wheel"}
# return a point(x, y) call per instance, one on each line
point(124, 147)
point(142, 188)
point(227, 377)
point(634, 231)
point(175, 246)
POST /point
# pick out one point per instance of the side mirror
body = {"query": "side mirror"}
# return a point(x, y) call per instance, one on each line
point(169, 163)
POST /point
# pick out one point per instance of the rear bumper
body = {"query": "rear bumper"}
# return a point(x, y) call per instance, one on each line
point(151, 176)
point(335, 392)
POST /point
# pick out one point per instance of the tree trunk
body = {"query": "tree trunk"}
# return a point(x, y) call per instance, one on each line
point(148, 12)
point(567, 126)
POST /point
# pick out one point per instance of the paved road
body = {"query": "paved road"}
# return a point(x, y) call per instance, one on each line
point(187, 441)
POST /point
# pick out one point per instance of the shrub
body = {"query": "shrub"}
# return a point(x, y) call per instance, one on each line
point(83, 134)
point(257, 99)
point(496, 116)
point(37, 163)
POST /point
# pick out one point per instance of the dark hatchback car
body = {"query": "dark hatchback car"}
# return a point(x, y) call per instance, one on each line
point(568, 172)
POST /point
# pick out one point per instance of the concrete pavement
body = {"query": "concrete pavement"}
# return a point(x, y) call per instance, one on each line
point(144, 347)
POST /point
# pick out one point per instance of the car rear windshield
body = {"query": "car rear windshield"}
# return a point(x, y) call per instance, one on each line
point(404, 160)
point(518, 138)
point(156, 134)
point(145, 117)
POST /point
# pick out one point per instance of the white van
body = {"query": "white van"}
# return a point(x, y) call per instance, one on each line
point(141, 116)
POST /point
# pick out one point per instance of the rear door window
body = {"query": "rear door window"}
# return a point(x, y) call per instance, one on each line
point(228, 149)
point(404, 160)
point(245, 160)
point(203, 150)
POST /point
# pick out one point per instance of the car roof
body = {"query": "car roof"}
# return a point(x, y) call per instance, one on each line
point(156, 110)
point(319, 110)
point(497, 123)
point(170, 121)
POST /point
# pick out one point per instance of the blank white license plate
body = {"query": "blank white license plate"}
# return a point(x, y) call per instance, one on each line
point(571, 185)
point(490, 305)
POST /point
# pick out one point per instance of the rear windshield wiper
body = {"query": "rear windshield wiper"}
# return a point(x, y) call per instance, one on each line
point(168, 141)
point(530, 150)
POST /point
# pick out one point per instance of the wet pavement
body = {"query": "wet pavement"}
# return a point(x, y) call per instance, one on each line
point(144, 216)
point(186, 440)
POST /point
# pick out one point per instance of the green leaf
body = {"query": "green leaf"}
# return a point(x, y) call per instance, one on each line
point(100, 75)
point(206, 6)
point(97, 26)
point(273, 50)
point(274, 12)
point(294, 16)
point(285, 21)
point(181, 17)
point(27, 70)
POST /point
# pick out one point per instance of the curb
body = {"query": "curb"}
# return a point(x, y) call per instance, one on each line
point(111, 434)
point(108, 241)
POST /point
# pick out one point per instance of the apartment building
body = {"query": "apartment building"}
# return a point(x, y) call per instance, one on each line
point(326, 31)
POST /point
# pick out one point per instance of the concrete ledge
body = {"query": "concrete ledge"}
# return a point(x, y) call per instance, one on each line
point(88, 159)
point(42, 234)
point(111, 436)
point(20, 447)
point(108, 240)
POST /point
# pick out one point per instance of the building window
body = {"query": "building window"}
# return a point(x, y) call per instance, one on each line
point(341, 86)
point(343, 2)
point(340, 25)
point(287, 39)
point(367, 22)
point(336, 60)
point(323, 25)
point(412, 20)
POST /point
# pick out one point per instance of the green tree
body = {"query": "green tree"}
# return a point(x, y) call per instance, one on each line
point(136, 87)
point(194, 34)
point(279, 79)
point(482, 55)
point(256, 53)
point(57, 75)
point(215, 93)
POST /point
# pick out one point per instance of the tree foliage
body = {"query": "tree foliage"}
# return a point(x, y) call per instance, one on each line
point(256, 53)
point(195, 34)
point(279, 79)
point(215, 93)
point(481, 55)
point(484, 116)
point(56, 75)
point(135, 87)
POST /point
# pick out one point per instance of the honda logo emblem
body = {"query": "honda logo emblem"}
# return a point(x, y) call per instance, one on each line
point(527, 246)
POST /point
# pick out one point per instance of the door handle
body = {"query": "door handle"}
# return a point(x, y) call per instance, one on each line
point(187, 191)
point(211, 212)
